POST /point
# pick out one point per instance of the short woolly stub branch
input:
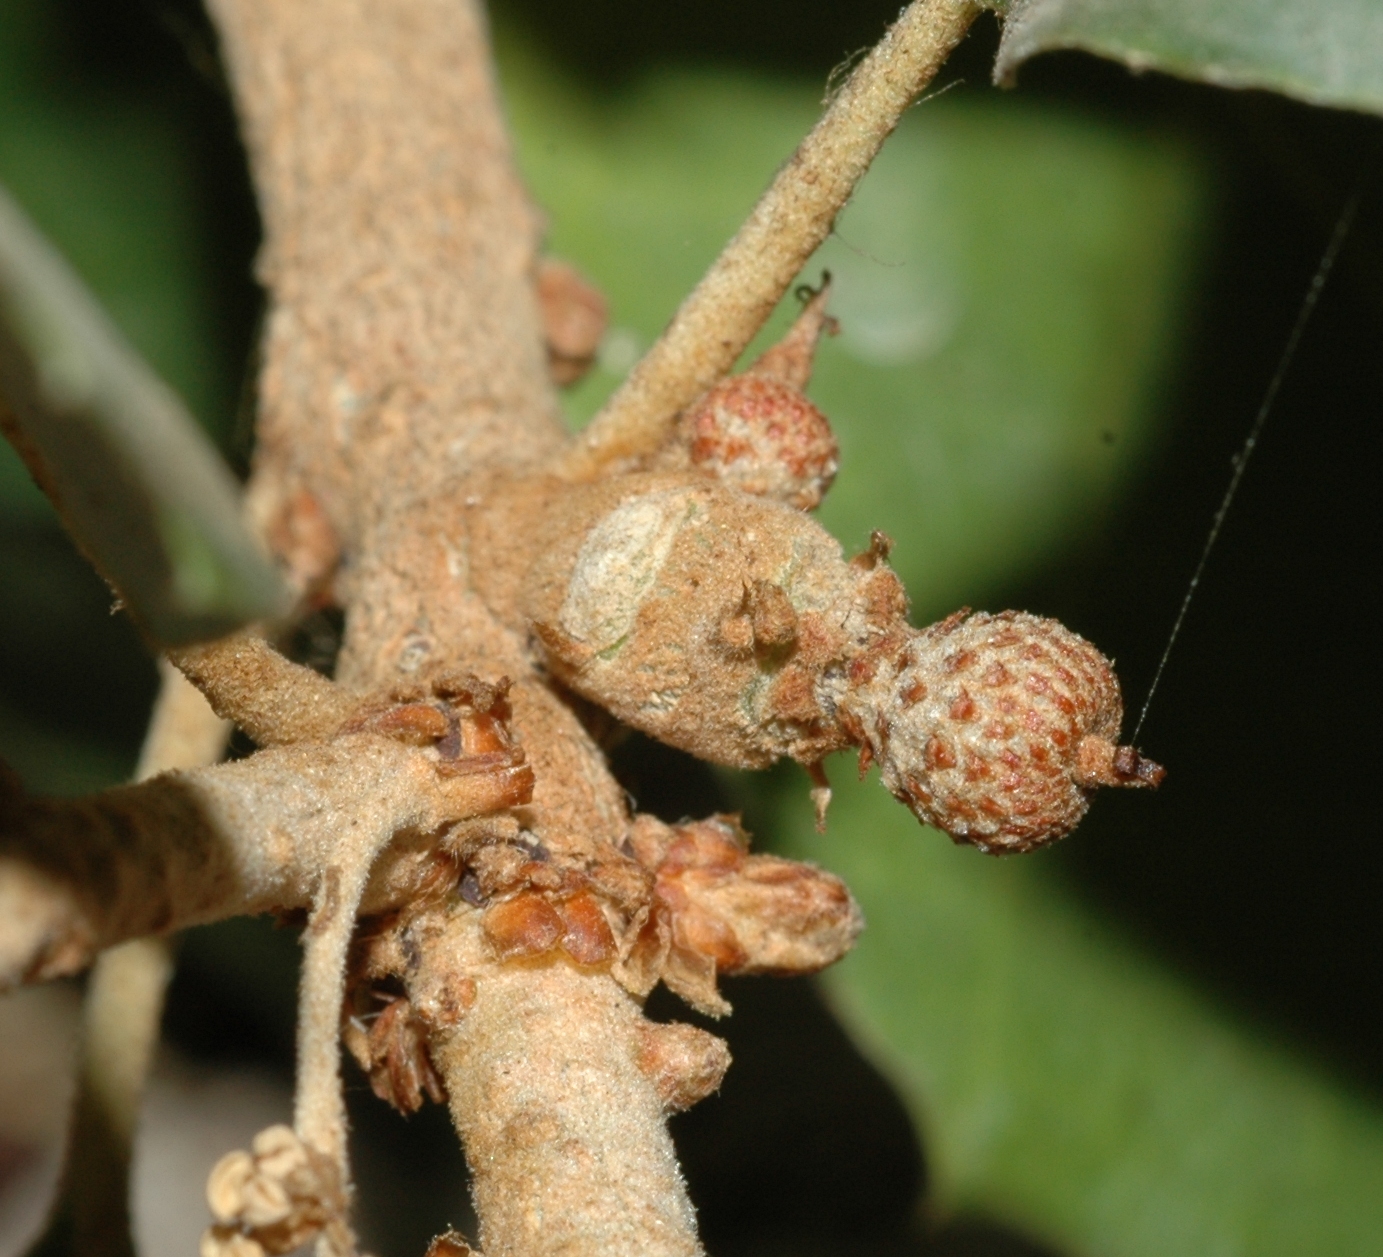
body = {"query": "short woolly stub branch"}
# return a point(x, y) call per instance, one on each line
point(735, 298)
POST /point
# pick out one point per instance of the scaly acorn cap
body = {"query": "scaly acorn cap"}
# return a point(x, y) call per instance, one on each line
point(995, 728)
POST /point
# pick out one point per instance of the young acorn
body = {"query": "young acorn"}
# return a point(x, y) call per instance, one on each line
point(994, 728)
point(732, 627)
point(757, 431)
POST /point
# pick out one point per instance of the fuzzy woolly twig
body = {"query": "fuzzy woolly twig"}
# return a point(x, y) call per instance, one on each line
point(737, 295)
point(184, 731)
point(530, 1070)
point(274, 700)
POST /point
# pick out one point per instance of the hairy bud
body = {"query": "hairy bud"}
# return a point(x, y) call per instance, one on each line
point(684, 1064)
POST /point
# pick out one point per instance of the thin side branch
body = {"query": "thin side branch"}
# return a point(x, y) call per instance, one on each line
point(319, 1111)
point(191, 847)
point(274, 700)
point(184, 732)
point(735, 298)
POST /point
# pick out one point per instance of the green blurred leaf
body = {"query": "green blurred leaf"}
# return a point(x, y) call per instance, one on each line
point(1009, 279)
point(1061, 1079)
point(1328, 52)
point(137, 483)
point(106, 170)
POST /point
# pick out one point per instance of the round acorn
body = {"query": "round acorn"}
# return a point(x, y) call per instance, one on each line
point(995, 728)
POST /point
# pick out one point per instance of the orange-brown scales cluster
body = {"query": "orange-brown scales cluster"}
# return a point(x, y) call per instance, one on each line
point(681, 904)
point(465, 719)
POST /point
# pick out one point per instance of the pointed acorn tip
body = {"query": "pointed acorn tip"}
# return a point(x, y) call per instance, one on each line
point(1100, 763)
point(790, 361)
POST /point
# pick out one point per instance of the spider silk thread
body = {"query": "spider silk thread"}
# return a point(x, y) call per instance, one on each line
point(1308, 305)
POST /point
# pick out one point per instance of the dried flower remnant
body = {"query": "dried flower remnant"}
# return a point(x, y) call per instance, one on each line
point(275, 1198)
point(450, 1244)
point(393, 1053)
point(716, 909)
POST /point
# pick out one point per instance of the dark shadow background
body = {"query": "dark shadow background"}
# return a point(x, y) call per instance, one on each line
point(1256, 870)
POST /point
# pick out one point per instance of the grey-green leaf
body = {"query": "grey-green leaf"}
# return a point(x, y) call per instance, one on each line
point(1327, 52)
point(138, 485)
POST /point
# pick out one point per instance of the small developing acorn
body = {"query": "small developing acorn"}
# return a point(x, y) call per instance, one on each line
point(731, 626)
point(757, 431)
point(994, 728)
